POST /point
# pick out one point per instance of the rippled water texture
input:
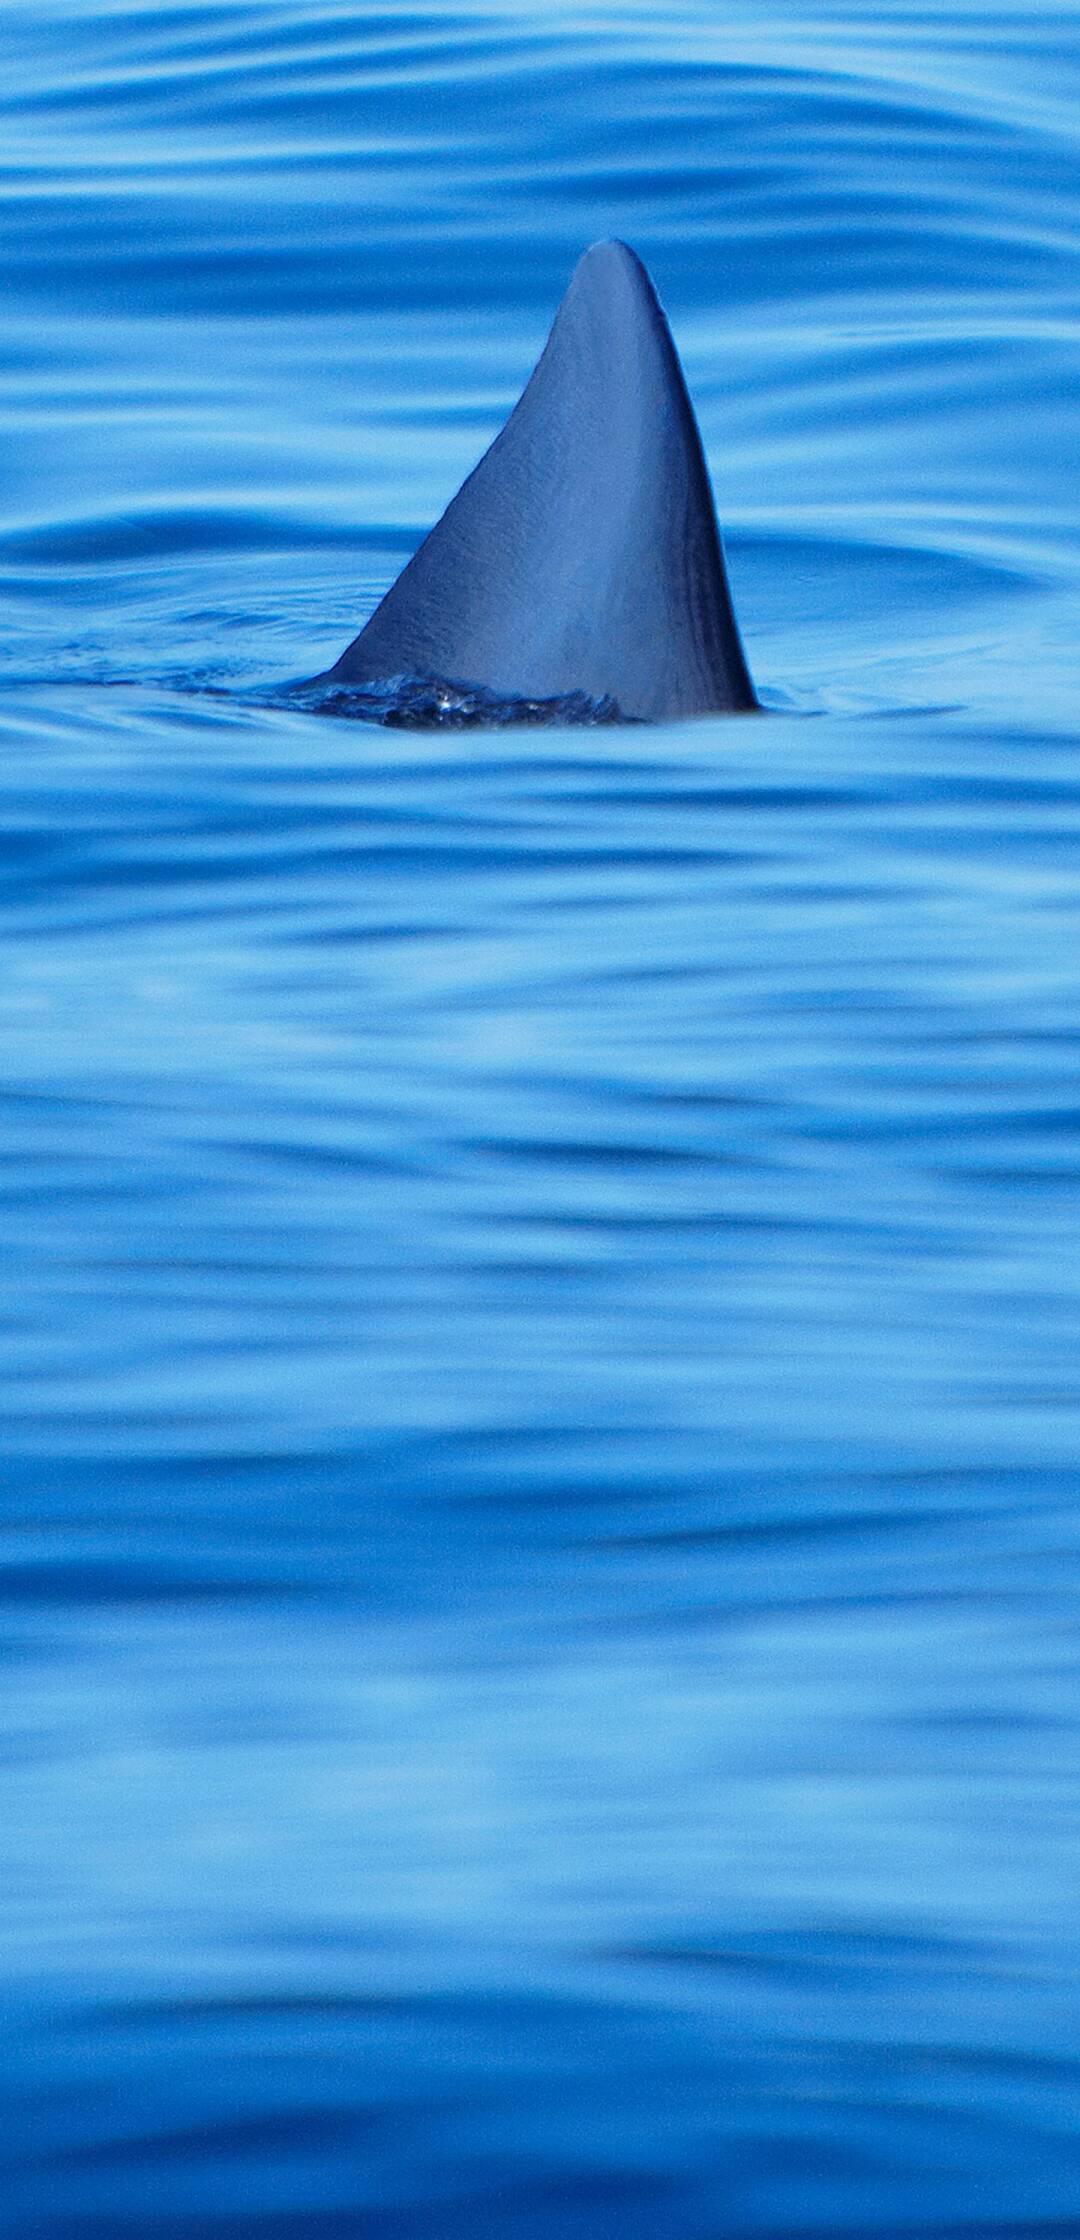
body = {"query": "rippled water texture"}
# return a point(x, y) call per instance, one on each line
point(542, 1309)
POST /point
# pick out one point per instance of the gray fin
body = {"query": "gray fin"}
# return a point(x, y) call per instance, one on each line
point(582, 554)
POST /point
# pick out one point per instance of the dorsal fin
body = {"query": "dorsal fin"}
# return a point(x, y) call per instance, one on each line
point(582, 554)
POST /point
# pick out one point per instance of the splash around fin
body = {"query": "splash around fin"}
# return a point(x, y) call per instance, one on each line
point(580, 561)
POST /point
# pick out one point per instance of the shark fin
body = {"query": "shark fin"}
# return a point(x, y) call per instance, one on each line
point(582, 554)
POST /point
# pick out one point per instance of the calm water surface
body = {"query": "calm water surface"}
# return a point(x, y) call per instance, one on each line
point(542, 1310)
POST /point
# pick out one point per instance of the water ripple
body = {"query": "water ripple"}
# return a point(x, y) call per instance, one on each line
point(539, 1554)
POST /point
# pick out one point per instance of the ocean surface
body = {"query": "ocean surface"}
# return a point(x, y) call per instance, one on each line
point(540, 1584)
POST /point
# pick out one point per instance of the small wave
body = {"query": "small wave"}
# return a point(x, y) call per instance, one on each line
point(439, 704)
point(165, 532)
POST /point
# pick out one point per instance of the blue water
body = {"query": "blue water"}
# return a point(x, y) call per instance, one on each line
point(540, 1591)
